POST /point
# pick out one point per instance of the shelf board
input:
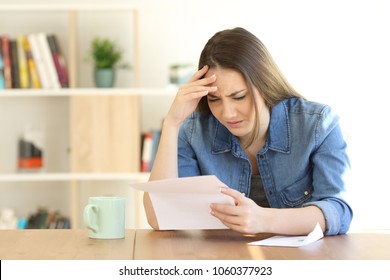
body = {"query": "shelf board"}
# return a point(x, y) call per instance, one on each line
point(66, 6)
point(39, 177)
point(87, 92)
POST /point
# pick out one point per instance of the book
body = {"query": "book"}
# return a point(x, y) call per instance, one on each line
point(48, 61)
point(7, 61)
point(38, 59)
point(2, 79)
point(59, 60)
point(43, 214)
point(45, 219)
point(24, 78)
point(32, 69)
point(147, 145)
point(150, 143)
point(155, 141)
point(14, 63)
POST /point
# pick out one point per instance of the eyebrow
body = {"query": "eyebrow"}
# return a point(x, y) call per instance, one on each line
point(231, 94)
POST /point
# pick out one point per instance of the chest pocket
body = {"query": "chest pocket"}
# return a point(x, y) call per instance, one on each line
point(298, 193)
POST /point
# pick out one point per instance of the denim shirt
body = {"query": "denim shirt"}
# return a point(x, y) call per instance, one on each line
point(303, 162)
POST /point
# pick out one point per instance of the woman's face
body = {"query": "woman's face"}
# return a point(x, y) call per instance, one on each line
point(232, 104)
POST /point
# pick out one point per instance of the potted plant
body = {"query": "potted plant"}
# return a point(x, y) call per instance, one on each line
point(106, 57)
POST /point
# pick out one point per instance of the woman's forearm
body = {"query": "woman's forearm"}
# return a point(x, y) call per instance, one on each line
point(165, 162)
point(293, 221)
point(149, 211)
point(164, 166)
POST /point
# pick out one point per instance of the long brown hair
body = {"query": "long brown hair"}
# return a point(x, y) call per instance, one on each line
point(240, 50)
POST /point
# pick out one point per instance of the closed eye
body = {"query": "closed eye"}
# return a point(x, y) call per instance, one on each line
point(239, 97)
point(212, 98)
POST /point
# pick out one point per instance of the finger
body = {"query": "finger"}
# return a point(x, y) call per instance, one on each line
point(199, 74)
point(226, 215)
point(196, 94)
point(196, 89)
point(224, 208)
point(238, 197)
point(207, 81)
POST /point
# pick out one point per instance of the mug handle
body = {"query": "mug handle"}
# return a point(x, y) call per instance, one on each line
point(90, 210)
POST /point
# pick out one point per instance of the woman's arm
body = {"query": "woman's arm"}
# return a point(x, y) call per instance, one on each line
point(165, 164)
point(247, 217)
point(185, 103)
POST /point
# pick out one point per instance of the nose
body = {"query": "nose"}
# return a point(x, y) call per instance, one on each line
point(228, 111)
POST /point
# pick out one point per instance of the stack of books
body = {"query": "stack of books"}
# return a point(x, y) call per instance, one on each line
point(32, 61)
point(149, 145)
point(44, 219)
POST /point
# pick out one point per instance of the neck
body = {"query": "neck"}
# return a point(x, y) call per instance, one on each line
point(260, 137)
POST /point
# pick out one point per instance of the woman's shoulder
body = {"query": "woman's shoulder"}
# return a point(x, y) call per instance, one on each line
point(301, 105)
point(308, 114)
point(299, 112)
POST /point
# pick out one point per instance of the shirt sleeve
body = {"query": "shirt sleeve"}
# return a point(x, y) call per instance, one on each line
point(331, 168)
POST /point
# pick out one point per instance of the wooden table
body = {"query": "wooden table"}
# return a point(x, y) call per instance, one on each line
point(186, 245)
point(227, 244)
point(58, 244)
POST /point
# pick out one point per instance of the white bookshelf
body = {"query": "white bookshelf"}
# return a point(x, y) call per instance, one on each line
point(87, 92)
point(13, 103)
point(68, 177)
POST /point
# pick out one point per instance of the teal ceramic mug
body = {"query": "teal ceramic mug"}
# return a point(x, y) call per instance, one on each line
point(104, 216)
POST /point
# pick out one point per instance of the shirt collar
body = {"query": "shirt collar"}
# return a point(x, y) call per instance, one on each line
point(279, 137)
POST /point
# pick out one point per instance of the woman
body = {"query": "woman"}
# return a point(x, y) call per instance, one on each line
point(283, 157)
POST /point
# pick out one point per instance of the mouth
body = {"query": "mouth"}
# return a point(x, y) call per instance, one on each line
point(234, 124)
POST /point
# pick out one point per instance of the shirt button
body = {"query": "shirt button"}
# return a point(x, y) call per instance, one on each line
point(306, 192)
point(270, 192)
point(261, 156)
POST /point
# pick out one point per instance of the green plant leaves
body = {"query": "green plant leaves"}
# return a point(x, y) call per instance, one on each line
point(105, 53)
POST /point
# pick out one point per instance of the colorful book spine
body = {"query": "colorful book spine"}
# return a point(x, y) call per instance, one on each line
point(32, 61)
point(38, 59)
point(147, 147)
point(24, 78)
point(48, 60)
point(59, 60)
point(7, 62)
point(2, 79)
point(155, 141)
point(14, 64)
point(32, 68)
point(150, 143)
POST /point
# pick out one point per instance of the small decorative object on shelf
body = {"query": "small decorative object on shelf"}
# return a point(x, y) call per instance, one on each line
point(106, 56)
point(8, 219)
point(30, 150)
point(180, 73)
point(45, 219)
